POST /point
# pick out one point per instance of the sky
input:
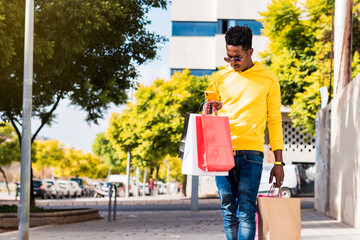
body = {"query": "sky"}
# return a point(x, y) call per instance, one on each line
point(70, 127)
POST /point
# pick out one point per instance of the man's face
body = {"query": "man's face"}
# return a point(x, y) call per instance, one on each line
point(238, 52)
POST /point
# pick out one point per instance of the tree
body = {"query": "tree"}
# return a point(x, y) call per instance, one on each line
point(104, 149)
point(86, 51)
point(300, 53)
point(48, 153)
point(9, 149)
point(151, 126)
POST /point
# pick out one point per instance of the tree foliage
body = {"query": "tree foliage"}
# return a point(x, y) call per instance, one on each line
point(67, 161)
point(105, 150)
point(299, 53)
point(151, 126)
point(84, 50)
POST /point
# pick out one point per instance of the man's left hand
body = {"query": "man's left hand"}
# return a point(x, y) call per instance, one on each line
point(277, 171)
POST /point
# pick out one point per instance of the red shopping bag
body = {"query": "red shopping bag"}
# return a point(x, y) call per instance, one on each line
point(214, 143)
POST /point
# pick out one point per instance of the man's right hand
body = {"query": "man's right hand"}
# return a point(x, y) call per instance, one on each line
point(209, 105)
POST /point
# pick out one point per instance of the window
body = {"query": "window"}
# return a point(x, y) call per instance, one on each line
point(202, 29)
point(225, 24)
point(195, 72)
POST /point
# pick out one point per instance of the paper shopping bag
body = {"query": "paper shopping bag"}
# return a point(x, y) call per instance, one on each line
point(279, 218)
point(214, 143)
point(190, 156)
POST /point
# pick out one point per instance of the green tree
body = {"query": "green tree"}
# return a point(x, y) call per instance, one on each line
point(151, 126)
point(86, 51)
point(48, 153)
point(104, 149)
point(299, 53)
point(9, 149)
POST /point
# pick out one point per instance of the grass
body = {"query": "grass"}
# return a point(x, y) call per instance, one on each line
point(13, 209)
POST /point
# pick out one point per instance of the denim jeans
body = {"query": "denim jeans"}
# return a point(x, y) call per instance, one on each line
point(238, 192)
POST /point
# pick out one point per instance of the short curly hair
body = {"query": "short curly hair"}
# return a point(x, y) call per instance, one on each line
point(239, 36)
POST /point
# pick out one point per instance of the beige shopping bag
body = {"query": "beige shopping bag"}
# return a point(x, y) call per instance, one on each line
point(279, 218)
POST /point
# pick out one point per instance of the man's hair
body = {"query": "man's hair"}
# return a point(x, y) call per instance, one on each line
point(239, 36)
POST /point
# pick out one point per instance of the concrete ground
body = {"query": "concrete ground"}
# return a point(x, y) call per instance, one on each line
point(174, 224)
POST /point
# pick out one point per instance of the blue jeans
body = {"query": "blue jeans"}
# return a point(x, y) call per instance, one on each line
point(238, 192)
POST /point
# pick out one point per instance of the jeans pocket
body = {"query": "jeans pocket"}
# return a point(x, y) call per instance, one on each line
point(253, 159)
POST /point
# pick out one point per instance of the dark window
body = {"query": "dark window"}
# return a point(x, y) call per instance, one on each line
point(195, 72)
point(37, 183)
point(201, 29)
point(225, 24)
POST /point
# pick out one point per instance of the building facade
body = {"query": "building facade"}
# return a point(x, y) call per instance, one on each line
point(198, 30)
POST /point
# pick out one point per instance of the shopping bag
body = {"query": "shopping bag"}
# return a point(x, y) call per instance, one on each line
point(278, 218)
point(183, 137)
point(214, 143)
point(190, 156)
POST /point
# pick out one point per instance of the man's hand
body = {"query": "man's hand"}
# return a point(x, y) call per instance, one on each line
point(209, 105)
point(277, 171)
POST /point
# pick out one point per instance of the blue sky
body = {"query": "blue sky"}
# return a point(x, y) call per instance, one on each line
point(70, 127)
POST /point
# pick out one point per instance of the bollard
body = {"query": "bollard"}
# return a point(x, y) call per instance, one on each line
point(115, 193)
point(109, 208)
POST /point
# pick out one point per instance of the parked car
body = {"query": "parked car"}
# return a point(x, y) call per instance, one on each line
point(77, 189)
point(291, 184)
point(42, 189)
point(85, 188)
point(161, 187)
point(146, 191)
point(67, 187)
point(120, 181)
point(56, 190)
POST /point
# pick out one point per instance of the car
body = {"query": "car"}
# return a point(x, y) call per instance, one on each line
point(67, 187)
point(56, 190)
point(161, 187)
point(145, 190)
point(290, 186)
point(120, 181)
point(85, 188)
point(77, 189)
point(42, 189)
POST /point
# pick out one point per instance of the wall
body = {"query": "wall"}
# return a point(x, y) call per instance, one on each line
point(188, 10)
point(343, 167)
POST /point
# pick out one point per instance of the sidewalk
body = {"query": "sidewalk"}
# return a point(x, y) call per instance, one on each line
point(185, 224)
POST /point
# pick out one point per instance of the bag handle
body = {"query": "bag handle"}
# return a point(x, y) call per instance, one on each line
point(272, 187)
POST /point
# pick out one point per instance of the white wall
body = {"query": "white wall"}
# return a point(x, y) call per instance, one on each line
point(345, 155)
point(243, 9)
point(193, 10)
point(341, 201)
point(192, 52)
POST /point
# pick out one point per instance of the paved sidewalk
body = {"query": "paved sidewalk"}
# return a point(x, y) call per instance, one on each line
point(184, 225)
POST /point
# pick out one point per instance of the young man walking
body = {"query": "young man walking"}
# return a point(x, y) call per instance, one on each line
point(250, 96)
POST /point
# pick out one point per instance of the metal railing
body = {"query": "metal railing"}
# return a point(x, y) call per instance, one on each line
point(111, 187)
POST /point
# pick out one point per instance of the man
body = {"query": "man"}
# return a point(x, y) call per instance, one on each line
point(250, 96)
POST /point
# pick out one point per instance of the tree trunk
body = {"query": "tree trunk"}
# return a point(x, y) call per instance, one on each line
point(6, 181)
point(184, 185)
point(144, 182)
point(156, 180)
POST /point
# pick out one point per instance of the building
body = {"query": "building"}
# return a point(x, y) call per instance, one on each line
point(198, 30)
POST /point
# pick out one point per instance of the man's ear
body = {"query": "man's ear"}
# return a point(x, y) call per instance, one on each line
point(251, 51)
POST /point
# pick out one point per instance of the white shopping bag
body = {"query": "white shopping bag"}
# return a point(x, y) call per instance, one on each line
point(190, 158)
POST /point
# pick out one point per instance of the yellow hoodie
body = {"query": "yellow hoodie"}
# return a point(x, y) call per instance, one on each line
point(250, 98)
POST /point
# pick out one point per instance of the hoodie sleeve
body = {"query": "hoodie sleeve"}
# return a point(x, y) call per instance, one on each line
point(274, 119)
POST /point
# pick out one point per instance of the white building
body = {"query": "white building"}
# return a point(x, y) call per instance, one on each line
point(198, 30)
